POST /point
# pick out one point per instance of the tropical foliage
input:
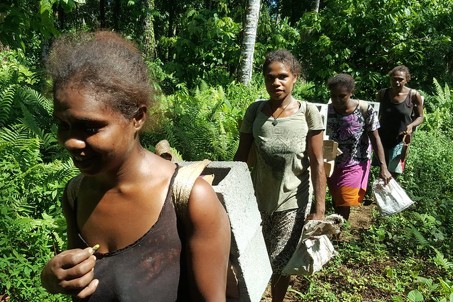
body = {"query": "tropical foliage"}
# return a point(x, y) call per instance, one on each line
point(33, 173)
point(405, 257)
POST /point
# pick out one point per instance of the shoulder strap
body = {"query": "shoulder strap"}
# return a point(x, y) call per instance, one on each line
point(412, 93)
point(304, 103)
point(363, 106)
point(72, 189)
point(381, 94)
point(183, 183)
point(257, 106)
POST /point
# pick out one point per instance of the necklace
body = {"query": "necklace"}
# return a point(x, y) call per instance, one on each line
point(275, 122)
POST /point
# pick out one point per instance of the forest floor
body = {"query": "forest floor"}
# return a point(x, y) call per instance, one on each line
point(360, 219)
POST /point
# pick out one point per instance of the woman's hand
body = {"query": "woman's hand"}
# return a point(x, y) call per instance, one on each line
point(409, 130)
point(385, 174)
point(315, 216)
point(379, 150)
point(71, 272)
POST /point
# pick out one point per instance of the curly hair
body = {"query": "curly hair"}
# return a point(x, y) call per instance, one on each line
point(401, 68)
point(343, 80)
point(285, 57)
point(106, 64)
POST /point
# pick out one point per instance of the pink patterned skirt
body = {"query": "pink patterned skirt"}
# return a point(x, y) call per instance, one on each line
point(348, 185)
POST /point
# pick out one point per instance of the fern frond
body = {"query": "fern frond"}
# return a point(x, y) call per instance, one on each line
point(64, 171)
point(6, 103)
point(36, 98)
point(420, 238)
point(441, 261)
point(30, 121)
point(14, 134)
point(215, 108)
point(442, 95)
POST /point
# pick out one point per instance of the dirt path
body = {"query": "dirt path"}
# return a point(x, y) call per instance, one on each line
point(360, 219)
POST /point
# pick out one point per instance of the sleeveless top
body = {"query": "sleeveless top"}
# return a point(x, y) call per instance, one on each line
point(146, 270)
point(394, 119)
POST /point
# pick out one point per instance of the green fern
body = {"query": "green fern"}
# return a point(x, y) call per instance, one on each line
point(419, 237)
point(6, 102)
point(442, 96)
point(38, 101)
point(442, 261)
point(15, 135)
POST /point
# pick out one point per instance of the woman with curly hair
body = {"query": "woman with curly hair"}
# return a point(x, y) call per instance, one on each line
point(125, 242)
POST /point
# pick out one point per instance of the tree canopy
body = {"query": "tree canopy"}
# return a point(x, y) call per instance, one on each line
point(201, 40)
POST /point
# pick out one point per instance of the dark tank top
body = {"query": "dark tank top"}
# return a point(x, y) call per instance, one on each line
point(148, 269)
point(394, 119)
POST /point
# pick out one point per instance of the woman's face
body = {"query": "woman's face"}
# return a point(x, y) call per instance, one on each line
point(279, 81)
point(340, 96)
point(98, 138)
point(398, 79)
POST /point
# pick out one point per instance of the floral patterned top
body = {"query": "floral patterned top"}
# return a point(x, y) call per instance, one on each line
point(350, 131)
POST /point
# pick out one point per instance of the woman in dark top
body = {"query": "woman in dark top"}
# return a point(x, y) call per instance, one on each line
point(401, 111)
point(122, 200)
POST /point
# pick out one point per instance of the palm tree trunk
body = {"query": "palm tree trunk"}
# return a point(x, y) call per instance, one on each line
point(248, 42)
point(316, 6)
point(149, 37)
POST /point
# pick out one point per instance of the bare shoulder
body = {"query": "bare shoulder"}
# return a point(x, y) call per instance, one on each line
point(207, 215)
point(416, 97)
point(154, 175)
point(156, 167)
point(203, 199)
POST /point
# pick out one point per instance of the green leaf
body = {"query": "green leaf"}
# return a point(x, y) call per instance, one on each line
point(415, 296)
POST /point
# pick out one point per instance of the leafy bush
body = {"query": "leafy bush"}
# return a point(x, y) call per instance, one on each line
point(439, 108)
point(206, 48)
point(368, 38)
point(32, 227)
point(203, 123)
point(31, 185)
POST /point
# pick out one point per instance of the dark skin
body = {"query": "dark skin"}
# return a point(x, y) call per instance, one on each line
point(122, 177)
point(398, 94)
point(343, 104)
point(279, 82)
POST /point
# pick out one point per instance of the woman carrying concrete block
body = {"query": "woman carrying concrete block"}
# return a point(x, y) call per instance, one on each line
point(287, 135)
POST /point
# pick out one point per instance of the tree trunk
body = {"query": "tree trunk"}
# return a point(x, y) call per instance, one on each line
point(148, 26)
point(102, 13)
point(116, 14)
point(248, 42)
point(316, 6)
point(171, 32)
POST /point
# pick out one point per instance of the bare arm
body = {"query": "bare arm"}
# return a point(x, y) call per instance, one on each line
point(208, 244)
point(245, 143)
point(418, 103)
point(379, 151)
point(318, 175)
